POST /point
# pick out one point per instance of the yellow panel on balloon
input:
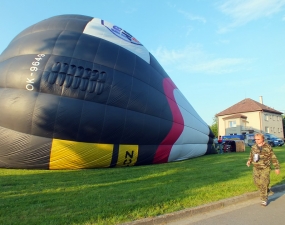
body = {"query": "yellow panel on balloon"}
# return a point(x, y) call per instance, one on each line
point(79, 155)
point(128, 155)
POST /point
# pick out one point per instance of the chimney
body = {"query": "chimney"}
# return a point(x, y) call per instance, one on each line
point(261, 100)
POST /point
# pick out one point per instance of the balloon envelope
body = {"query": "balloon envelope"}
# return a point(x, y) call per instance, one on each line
point(79, 92)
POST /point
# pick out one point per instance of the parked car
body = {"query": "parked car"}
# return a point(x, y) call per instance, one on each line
point(269, 138)
point(272, 138)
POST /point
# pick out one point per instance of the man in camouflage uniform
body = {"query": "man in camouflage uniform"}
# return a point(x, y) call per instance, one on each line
point(261, 155)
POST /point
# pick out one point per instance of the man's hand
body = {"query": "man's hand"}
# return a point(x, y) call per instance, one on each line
point(248, 163)
point(277, 171)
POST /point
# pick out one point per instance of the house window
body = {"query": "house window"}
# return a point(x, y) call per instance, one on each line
point(270, 116)
point(232, 124)
point(266, 117)
point(278, 129)
point(267, 130)
point(274, 129)
point(273, 117)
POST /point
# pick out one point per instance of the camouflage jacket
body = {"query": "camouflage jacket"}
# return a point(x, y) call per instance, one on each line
point(266, 156)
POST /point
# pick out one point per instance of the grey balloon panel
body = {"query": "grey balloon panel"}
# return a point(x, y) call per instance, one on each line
point(21, 150)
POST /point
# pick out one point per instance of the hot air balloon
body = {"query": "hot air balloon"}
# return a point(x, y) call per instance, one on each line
point(79, 92)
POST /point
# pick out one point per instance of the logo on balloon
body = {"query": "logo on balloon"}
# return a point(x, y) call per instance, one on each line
point(119, 32)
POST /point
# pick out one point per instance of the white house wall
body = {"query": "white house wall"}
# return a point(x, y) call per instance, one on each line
point(274, 123)
point(255, 121)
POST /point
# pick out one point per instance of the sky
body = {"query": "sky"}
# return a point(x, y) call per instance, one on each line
point(217, 52)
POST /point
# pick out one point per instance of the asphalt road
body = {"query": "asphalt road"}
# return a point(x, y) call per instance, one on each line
point(240, 210)
point(243, 213)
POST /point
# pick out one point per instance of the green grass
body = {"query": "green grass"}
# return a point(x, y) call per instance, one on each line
point(117, 195)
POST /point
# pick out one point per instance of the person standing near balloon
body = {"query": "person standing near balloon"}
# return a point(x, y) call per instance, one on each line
point(220, 142)
point(261, 156)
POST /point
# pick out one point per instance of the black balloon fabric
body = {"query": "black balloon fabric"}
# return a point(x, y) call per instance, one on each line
point(79, 92)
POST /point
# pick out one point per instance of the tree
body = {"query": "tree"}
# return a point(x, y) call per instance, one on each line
point(214, 126)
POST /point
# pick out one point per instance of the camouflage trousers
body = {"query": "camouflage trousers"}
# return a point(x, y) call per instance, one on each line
point(261, 178)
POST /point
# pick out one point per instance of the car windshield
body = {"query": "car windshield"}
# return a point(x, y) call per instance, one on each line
point(270, 136)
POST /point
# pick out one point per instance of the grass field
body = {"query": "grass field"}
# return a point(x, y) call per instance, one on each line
point(116, 195)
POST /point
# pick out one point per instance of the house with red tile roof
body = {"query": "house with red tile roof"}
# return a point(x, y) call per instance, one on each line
point(249, 116)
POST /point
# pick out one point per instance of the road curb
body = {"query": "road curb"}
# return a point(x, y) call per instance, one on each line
point(164, 219)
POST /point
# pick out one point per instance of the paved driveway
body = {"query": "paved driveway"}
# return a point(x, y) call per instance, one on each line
point(243, 213)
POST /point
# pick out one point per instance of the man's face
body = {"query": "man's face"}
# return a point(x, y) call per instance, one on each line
point(258, 139)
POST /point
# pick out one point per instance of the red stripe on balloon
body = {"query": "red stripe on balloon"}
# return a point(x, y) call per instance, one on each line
point(163, 150)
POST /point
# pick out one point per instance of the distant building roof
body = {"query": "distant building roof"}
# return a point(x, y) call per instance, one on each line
point(247, 105)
